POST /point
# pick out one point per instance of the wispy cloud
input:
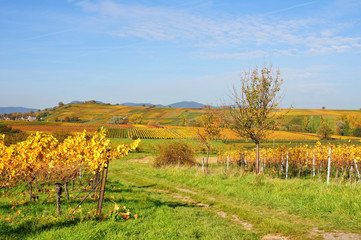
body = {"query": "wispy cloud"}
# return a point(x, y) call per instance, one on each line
point(47, 35)
point(297, 36)
point(291, 7)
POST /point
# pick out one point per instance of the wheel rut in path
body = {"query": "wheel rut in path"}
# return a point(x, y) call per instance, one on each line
point(315, 233)
point(182, 194)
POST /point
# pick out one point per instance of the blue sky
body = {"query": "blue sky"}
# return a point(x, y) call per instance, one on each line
point(166, 51)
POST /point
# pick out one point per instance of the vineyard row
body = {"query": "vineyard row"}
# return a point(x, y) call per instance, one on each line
point(322, 160)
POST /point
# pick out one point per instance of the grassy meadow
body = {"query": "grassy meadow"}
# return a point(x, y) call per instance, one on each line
point(182, 203)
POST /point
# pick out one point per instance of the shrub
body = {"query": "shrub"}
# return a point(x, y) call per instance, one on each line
point(174, 153)
point(295, 128)
point(4, 129)
point(357, 132)
point(324, 131)
point(118, 120)
point(12, 136)
point(153, 123)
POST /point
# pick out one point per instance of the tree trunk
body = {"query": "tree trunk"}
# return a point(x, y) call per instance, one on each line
point(37, 185)
point(66, 190)
point(58, 189)
point(257, 158)
point(208, 150)
point(30, 190)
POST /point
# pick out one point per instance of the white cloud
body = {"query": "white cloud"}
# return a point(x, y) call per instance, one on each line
point(157, 23)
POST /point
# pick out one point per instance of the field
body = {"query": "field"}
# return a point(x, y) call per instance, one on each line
point(170, 122)
point(230, 202)
point(222, 205)
point(101, 113)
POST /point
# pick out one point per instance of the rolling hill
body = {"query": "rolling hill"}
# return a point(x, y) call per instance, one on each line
point(101, 113)
point(95, 113)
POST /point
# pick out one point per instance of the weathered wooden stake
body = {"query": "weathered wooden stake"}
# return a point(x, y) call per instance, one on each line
point(95, 180)
point(227, 161)
point(288, 155)
point(102, 189)
point(313, 165)
point(282, 164)
point(203, 165)
point(358, 173)
point(58, 190)
point(30, 190)
point(37, 185)
point(66, 190)
point(329, 167)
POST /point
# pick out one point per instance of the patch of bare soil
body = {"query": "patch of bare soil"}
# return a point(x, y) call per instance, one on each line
point(222, 214)
point(183, 198)
point(202, 205)
point(246, 225)
point(315, 233)
point(186, 190)
point(274, 237)
point(148, 159)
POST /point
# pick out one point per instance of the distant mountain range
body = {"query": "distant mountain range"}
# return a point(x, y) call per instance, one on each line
point(16, 110)
point(183, 104)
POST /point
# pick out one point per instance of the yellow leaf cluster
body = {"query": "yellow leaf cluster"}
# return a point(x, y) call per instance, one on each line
point(42, 156)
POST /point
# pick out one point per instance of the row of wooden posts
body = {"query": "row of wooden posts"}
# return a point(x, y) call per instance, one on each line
point(287, 163)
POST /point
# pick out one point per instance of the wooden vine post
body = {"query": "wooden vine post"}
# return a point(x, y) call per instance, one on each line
point(30, 190)
point(329, 167)
point(102, 188)
point(95, 182)
point(203, 165)
point(358, 172)
point(58, 190)
point(313, 165)
point(227, 161)
point(288, 156)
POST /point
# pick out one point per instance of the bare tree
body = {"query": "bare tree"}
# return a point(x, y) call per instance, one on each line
point(255, 104)
point(211, 122)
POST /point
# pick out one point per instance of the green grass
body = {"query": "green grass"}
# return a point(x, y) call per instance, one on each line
point(273, 206)
point(329, 207)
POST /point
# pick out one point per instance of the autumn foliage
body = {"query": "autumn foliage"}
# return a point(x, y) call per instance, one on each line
point(41, 156)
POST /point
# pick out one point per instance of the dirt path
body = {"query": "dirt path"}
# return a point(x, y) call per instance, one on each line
point(315, 233)
point(211, 203)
